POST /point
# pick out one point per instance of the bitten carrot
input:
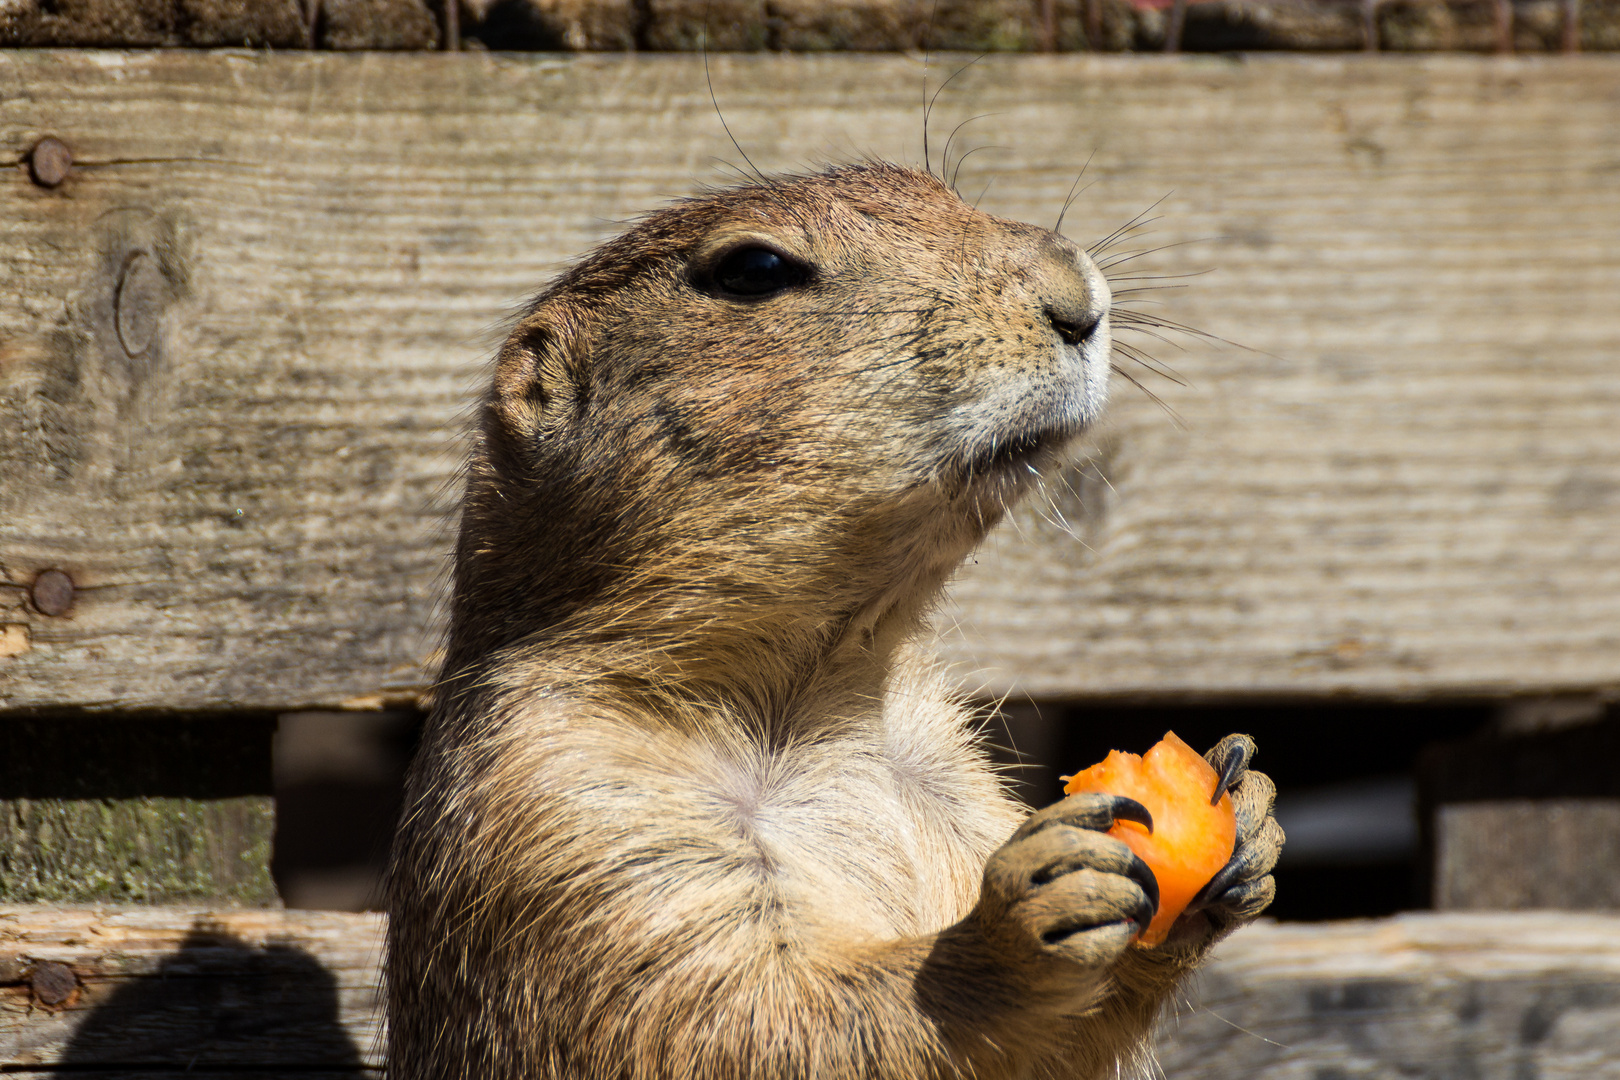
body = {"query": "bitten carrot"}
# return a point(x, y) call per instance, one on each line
point(1191, 840)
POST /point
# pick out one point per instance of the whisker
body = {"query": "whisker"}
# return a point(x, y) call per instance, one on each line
point(928, 111)
point(1151, 363)
point(1160, 277)
point(1144, 318)
point(945, 158)
point(1175, 417)
point(1068, 200)
point(1129, 296)
point(1203, 335)
point(928, 104)
point(767, 181)
point(958, 170)
point(1138, 232)
point(1147, 332)
point(728, 164)
point(1162, 247)
point(1131, 224)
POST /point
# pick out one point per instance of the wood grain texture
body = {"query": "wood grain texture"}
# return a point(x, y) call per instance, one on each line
point(138, 850)
point(802, 25)
point(1528, 853)
point(236, 345)
point(151, 810)
point(1431, 997)
point(1527, 815)
point(1493, 997)
point(164, 990)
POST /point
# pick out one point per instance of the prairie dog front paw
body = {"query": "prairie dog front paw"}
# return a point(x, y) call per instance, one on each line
point(1062, 892)
point(1244, 886)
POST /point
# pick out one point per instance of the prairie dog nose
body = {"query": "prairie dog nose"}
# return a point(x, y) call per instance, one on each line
point(1073, 291)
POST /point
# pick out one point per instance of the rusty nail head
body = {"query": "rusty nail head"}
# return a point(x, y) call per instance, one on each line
point(52, 593)
point(52, 983)
point(50, 161)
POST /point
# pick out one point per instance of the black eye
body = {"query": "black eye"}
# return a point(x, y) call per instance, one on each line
point(756, 271)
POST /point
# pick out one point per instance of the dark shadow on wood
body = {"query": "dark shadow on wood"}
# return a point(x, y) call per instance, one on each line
point(219, 1004)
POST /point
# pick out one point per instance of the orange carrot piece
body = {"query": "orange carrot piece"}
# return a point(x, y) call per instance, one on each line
point(1191, 840)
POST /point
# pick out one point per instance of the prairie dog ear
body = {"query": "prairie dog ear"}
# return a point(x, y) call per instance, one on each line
point(533, 386)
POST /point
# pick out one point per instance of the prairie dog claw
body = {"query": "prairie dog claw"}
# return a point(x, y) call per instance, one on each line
point(1230, 758)
point(1242, 888)
point(1087, 810)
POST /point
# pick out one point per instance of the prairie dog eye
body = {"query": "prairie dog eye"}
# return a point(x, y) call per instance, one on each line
point(755, 271)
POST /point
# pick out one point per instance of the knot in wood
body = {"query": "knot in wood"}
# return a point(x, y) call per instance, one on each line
point(138, 303)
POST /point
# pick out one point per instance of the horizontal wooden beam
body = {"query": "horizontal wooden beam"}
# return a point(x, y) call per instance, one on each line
point(1524, 816)
point(154, 810)
point(815, 26)
point(160, 991)
point(240, 335)
point(1496, 997)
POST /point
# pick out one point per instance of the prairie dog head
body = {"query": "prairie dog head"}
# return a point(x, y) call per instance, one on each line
point(810, 395)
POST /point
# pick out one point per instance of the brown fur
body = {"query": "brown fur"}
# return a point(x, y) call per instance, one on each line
point(691, 803)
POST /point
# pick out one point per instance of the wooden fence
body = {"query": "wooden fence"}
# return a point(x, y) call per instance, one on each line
point(158, 993)
point(245, 300)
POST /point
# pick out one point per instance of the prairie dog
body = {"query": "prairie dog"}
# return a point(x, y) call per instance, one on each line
point(691, 803)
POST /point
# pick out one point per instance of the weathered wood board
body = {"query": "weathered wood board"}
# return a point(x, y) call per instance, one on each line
point(167, 989)
point(147, 810)
point(1428, 997)
point(1524, 817)
point(1492, 997)
point(236, 345)
point(1528, 853)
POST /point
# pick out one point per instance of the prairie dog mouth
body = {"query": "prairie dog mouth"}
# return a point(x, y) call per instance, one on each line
point(1023, 429)
point(1030, 452)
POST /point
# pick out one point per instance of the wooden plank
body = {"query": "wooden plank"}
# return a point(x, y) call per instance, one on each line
point(148, 810)
point(1524, 816)
point(1492, 997)
point(170, 989)
point(268, 1072)
point(1495, 997)
point(1408, 483)
point(800, 26)
point(1528, 853)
